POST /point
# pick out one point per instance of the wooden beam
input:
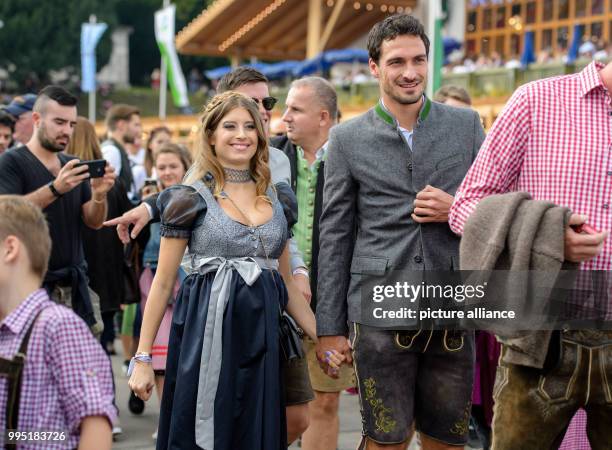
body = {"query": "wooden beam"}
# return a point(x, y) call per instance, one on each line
point(277, 29)
point(331, 23)
point(354, 28)
point(206, 17)
point(234, 60)
point(314, 28)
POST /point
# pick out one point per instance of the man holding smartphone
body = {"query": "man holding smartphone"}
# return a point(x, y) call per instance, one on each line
point(41, 173)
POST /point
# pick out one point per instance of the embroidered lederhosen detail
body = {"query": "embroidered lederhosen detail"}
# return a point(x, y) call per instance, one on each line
point(461, 427)
point(382, 414)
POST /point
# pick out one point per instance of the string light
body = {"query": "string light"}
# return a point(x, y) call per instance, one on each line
point(391, 8)
point(369, 6)
point(250, 25)
point(400, 9)
point(356, 5)
point(383, 8)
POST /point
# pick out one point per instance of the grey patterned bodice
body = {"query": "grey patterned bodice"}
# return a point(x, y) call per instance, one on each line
point(220, 235)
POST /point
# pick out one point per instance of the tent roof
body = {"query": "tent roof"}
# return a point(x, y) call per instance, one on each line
point(277, 29)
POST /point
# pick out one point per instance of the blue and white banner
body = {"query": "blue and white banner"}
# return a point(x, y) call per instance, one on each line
point(90, 35)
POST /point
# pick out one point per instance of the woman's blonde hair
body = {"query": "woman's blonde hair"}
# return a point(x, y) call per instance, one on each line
point(206, 161)
point(84, 143)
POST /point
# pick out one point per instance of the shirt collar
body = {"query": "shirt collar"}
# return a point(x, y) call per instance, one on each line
point(321, 153)
point(18, 319)
point(386, 115)
point(590, 79)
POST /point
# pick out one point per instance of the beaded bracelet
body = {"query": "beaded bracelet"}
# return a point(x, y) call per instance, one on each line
point(140, 357)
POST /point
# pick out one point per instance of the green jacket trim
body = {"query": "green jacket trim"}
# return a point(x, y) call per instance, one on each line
point(388, 118)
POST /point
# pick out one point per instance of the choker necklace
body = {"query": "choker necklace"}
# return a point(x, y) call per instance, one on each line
point(237, 175)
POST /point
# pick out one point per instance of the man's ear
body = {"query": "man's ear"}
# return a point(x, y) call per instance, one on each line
point(10, 248)
point(373, 68)
point(325, 117)
point(36, 117)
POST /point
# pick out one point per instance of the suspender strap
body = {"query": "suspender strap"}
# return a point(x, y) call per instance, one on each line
point(13, 369)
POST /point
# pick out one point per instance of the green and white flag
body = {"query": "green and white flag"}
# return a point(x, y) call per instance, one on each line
point(164, 35)
point(436, 17)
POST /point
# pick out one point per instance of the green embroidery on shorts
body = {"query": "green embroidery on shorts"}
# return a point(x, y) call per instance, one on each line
point(461, 427)
point(381, 413)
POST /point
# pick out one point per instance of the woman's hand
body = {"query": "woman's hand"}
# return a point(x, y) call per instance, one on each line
point(142, 380)
point(333, 361)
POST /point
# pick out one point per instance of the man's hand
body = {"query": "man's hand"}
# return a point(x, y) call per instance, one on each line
point(339, 344)
point(580, 247)
point(303, 284)
point(138, 217)
point(101, 186)
point(432, 205)
point(70, 177)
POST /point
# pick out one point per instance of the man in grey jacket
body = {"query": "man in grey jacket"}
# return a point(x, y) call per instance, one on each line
point(389, 182)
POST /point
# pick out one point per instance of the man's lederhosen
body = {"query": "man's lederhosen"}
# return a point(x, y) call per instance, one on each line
point(12, 370)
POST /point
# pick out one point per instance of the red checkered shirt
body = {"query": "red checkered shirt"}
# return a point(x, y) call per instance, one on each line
point(67, 376)
point(553, 139)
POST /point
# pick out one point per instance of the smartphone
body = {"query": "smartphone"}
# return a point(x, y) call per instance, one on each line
point(96, 167)
point(150, 187)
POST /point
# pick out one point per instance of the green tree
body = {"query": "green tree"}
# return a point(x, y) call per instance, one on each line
point(39, 36)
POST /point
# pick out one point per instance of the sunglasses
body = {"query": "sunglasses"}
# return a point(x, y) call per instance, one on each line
point(267, 102)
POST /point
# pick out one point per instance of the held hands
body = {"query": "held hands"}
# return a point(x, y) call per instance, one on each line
point(332, 352)
point(142, 380)
point(138, 217)
point(580, 247)
point(432, 205)
point(101, 186)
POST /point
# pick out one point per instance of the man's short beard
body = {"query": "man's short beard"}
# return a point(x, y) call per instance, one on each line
point(47, 143)
point(407, 101)
point(404, 100)
point(128, 139)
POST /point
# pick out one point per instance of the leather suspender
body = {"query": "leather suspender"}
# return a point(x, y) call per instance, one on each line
point(12, 369)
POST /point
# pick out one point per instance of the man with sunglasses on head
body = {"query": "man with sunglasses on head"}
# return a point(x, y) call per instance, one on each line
point(252, 83)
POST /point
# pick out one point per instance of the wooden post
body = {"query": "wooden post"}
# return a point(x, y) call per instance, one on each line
point(315, 14)
point(331, 23)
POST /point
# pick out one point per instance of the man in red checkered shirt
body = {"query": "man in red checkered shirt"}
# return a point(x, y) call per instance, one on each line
point(554, 140)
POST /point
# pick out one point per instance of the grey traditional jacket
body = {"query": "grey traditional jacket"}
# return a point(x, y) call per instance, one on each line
point(371, 181)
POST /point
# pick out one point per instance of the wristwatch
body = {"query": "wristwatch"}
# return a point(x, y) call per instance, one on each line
point(55, 192)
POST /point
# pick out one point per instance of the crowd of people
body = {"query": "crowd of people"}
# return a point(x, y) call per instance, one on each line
point(236, 272)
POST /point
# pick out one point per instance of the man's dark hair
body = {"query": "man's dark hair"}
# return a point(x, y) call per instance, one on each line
point(392, 27)
point(238, 77)
point(57, 94)
point(118, 112)
point(6, 120)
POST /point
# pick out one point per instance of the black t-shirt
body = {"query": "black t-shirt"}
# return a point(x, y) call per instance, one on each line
point(21, 173)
